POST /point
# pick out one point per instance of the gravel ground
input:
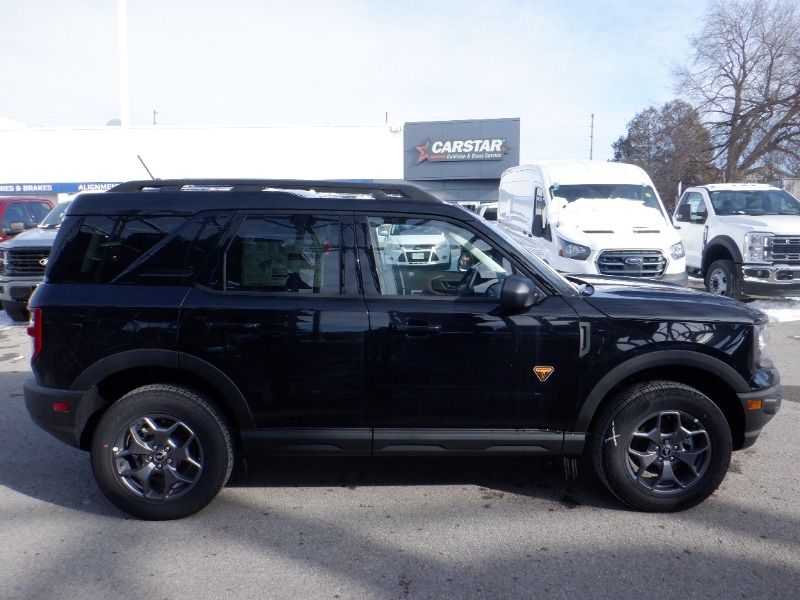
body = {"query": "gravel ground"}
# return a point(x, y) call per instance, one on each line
point(413, 528)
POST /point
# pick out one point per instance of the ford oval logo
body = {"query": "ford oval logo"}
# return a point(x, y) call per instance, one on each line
point(633, 260)
point(43, 261)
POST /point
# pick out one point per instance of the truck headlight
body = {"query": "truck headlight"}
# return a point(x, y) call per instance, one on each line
point(573, 250)
point(758, 247)
point(676, 251)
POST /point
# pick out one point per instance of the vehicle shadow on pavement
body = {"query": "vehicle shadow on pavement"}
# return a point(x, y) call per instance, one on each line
point(541, 478)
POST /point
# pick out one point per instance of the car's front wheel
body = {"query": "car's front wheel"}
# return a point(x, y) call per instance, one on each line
point(661, 446)
point(723, 279)
point(161, 452)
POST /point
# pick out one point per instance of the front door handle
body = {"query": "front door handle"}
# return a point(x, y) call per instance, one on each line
point(409, 329)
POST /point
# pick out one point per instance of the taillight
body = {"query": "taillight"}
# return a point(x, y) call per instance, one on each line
point(35, 331)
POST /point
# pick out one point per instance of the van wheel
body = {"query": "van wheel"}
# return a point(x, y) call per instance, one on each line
point(723, 279)
point(161, 452)
point(661, 446)
point(18, 311)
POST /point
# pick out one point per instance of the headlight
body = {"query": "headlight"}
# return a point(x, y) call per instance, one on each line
point(758, 247)
point(760, 346)
point(572, 250)
point(676, 251)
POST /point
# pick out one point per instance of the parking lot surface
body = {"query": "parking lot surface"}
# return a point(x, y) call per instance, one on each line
point(400, 528)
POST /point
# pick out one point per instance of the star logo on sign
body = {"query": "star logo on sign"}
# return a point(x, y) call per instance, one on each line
point(423, 152)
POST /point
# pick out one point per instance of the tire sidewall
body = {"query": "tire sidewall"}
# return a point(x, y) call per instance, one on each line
point(210, 431)
point(623, 422)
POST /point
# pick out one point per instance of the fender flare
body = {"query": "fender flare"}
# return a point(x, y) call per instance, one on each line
point(727, 243)
point(660, 358)
point(171, 359)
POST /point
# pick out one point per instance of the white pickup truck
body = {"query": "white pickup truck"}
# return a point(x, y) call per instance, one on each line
point(742, 238)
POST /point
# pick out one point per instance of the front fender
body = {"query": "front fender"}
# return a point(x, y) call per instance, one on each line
point(661, 358)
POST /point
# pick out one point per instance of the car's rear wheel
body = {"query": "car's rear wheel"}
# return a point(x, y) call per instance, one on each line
point(18, 311)
point(662, 446)
point(161, 452)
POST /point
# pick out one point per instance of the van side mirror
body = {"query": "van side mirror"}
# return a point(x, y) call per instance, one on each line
point(518, 293)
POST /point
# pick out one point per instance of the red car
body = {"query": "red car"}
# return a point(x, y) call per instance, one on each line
point(20, 213)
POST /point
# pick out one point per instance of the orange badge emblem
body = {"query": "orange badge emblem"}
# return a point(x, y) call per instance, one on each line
point(543, 372)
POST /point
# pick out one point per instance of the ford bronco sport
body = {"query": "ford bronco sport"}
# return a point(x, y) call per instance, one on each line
point(184, 322)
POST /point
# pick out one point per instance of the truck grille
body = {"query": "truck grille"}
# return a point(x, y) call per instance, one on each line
point(632, 263)
point(28, 262)
point(786, 249)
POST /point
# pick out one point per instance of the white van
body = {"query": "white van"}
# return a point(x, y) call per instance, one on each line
point(595, 217)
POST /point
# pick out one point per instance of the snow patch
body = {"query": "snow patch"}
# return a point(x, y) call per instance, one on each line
point(779, 310)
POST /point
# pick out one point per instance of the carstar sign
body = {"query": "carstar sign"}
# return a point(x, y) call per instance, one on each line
point(477, 149)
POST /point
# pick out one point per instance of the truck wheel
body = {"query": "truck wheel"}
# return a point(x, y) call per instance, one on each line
point(723, 279)
point(161, 452)
point(661, 446)
point(18, 311)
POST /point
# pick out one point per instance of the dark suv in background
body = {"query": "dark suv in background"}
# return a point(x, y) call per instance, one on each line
point(183, 322)
point(23, 259)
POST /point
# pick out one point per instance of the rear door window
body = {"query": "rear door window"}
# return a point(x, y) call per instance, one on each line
point(298, 254)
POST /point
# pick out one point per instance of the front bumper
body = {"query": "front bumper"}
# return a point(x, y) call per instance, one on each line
point(756, 414)
point(66, 425)
point(770, 280)
point(17, 290)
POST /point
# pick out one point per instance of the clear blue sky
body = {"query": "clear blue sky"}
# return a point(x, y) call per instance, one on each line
point(262, 62)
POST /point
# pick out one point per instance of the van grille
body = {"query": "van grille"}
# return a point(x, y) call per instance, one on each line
point(786, 249)
point(25, 262)
point(632, 263)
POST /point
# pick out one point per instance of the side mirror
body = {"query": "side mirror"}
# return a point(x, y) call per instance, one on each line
point(384, 230)
point(17, 227)
point(518, 293)
point(683, 212)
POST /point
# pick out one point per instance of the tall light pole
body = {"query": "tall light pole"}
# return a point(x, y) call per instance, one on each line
point(122, 41)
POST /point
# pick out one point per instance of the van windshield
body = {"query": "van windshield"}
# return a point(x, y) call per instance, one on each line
point(637, 193)
point(754, 202)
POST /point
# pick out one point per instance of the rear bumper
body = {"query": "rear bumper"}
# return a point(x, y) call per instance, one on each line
point(756, 418)
point(66, 425)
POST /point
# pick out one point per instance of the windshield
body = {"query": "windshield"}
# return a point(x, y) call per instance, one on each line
point(55, 216)
point(415, 230)
point(636, 193)
point(754, 202)
point(556, 279)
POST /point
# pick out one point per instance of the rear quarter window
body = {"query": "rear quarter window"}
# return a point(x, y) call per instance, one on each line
point(137, 249)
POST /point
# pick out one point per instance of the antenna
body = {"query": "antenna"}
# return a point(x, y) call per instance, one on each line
point(145, 167)
point(591, 138)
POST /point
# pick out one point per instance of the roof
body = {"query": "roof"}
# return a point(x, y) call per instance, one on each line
point(183, 196)
point(569, 172)
point(731, 187)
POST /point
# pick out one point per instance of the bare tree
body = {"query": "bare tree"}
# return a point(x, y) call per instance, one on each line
point(744, 79)
point(671, 144)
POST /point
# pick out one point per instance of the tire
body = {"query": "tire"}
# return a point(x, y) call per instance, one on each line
point(661, 477)
point(133, 443)
point(723, 279)
point(18, 311)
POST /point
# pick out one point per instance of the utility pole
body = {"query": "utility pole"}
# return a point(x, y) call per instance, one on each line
point(122, 45)
point(154, 116)
point(591, 138)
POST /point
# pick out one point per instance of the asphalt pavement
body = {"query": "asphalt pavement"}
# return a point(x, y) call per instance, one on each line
point(399, 528)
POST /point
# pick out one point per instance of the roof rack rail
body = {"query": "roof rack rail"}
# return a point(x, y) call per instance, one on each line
point(380, 190)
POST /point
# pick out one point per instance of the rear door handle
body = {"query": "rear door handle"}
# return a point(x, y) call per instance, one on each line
point(416, 329)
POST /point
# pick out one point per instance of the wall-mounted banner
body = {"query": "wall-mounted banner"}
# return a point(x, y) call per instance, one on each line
point(7, 189)
point(478, 149)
